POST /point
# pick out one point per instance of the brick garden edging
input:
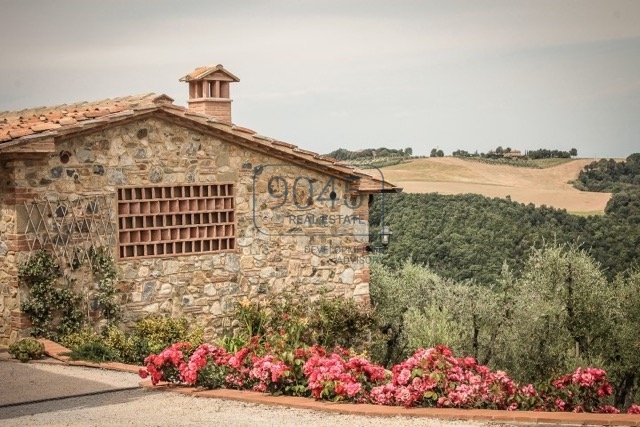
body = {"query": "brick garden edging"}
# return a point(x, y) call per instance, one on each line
point(528, 417)
point(57, 351)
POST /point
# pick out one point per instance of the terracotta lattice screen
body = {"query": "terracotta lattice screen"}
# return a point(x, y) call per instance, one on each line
point(177, 220)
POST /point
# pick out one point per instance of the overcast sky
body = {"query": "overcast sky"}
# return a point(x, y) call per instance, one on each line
point(352, 74)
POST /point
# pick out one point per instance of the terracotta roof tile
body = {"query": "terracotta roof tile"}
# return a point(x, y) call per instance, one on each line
point(202, 72)
point(17, 124)
point(67, 121)
point(41, 127)
point(19, 127)
point(96, 113)
point(284, 144)
point(200, 115)
point(307, 152)
point(245, 130)
point(326, 158)
point(17, 132)
point(262, 137)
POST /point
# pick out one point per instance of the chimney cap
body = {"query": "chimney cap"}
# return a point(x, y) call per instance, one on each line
point(201, 73)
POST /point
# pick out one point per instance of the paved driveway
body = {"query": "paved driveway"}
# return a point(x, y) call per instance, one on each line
point(27, 382)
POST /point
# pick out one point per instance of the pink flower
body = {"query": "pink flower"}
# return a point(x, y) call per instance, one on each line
point(404, 376)
point(633, 409)
point(562, 382)
point(268, 371)
point(528, 390)
point(383, 395)
point(404, 397)
point(260, 387)
point(605, 390)
point(469, 361)
point(429, 377)
point(353, 389)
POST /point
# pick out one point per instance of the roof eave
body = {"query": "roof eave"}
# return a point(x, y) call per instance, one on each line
point(234, 134)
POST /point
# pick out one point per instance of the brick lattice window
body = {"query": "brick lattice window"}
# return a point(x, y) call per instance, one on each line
point(177, 220)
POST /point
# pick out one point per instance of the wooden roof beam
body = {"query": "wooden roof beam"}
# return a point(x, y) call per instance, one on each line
point(38, 146)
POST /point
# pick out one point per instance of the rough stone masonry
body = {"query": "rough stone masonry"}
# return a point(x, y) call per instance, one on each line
point(276, 249)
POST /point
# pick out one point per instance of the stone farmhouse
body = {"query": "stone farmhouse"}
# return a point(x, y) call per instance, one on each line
point(199, 213)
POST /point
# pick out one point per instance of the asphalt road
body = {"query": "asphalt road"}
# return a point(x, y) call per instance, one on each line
point(27, 382)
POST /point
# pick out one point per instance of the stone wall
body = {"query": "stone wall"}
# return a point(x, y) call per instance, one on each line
point(10, 319)
point(280, 246)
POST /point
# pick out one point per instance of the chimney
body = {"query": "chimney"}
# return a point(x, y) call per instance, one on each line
point(209, 91)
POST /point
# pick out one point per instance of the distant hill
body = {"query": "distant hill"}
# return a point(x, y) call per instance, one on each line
point(370, 153)
point(550, 186)
point(372, 157)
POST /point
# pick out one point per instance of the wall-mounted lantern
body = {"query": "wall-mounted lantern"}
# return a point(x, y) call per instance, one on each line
point(385, 236)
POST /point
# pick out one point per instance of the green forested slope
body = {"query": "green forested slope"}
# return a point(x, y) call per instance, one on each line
point(471, 236)
point(608, 175)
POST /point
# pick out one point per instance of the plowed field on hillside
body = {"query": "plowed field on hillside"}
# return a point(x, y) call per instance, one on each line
point(448, 175)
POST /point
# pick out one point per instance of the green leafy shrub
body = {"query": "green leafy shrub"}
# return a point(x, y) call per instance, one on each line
point(27, 349)
point(212, 376)
point(94, 351)
point(559, 314)
point(80, 338)
point(112, 344)
point(147, 336)
point(87, 344)
point(341, 322)
point(431, 327)
point(280, 319)
point(253, 317)
point(153, 333)
point(123, 344)
point(290, 321)
point(231, 343)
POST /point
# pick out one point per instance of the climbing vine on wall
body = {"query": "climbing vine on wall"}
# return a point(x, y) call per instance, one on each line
point(54, 311)
point(54, 307)
point(104, 271)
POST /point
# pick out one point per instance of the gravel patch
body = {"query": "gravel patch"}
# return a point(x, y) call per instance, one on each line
point(151, 408)
point(148, 408)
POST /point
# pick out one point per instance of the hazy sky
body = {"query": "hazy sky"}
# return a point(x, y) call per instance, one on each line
point(352, 74)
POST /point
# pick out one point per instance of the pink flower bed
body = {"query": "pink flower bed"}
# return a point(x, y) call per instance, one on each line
point(431, 377)
point(434, 377)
